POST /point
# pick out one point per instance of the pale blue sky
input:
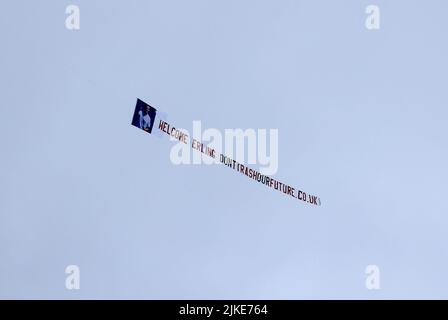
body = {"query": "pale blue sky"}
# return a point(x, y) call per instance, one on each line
point(362, 123)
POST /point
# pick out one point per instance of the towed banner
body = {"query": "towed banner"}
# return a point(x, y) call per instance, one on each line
point(146, 118)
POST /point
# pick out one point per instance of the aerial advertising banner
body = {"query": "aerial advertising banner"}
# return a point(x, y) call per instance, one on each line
point(146, 118)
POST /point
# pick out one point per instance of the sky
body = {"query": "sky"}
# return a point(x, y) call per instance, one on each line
point(361, 118)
